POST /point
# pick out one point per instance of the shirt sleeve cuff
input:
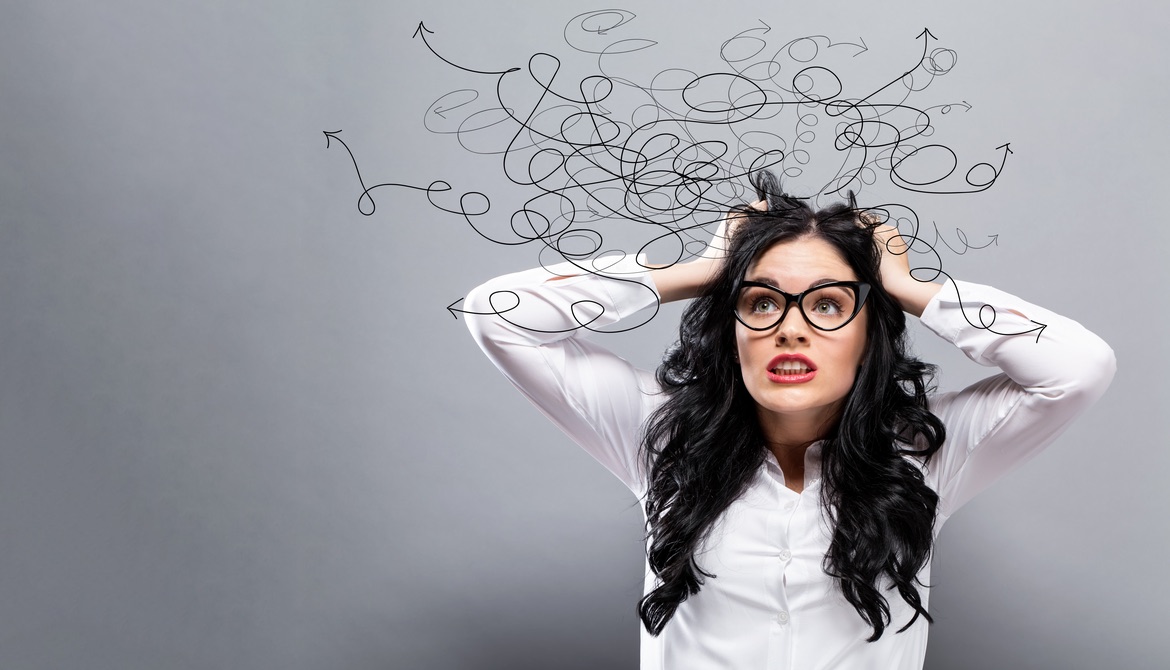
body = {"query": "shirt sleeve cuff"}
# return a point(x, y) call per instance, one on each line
point(938, 318)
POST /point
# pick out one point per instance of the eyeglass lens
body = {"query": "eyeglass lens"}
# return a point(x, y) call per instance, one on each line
point(827, 308)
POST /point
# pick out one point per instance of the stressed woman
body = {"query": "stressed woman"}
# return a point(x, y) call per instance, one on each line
point(793, 468)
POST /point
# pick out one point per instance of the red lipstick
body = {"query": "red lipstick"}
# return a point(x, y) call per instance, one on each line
point(791, 369)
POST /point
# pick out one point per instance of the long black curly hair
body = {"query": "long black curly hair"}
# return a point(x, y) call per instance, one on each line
point(704, 444)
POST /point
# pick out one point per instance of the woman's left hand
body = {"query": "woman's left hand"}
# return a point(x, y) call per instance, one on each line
point(910, 293)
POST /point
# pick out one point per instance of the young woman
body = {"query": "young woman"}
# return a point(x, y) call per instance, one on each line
point(794, 470)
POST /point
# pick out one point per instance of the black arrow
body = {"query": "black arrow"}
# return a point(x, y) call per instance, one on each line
point(925, 45)
point(422, 30)
point(437, 186)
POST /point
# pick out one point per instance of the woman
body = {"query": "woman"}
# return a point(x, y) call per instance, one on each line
point(794, 470)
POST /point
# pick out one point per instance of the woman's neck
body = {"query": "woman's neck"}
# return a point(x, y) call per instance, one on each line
point(788, 438)
point(790, 458)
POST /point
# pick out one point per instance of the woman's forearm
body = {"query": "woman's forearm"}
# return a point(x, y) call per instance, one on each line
point(683, 281)
point(913, 295)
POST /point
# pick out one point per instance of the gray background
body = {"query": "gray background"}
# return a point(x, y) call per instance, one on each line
point(238, 427)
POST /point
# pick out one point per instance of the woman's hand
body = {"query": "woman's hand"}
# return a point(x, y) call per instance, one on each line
point(910, 293)
point(685, 280)
point(717, 247)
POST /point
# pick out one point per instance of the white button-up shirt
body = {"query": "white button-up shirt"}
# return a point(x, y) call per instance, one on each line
point(770, 604)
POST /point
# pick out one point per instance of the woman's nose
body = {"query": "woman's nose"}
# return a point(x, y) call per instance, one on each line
point(792, 328)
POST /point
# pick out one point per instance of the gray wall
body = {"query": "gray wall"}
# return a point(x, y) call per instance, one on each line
point(238, 427)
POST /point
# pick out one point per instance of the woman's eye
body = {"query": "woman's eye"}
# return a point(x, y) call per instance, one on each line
point(764, 305)
point(827, 307)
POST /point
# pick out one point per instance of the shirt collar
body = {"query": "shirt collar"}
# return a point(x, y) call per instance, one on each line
point(812, 464)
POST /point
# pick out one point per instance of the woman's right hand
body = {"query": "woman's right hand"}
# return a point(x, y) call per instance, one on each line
point(682, 281)
point(717, 247)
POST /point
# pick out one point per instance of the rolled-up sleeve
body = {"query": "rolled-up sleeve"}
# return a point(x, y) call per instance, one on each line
point(532, 326)
point(1053, 369)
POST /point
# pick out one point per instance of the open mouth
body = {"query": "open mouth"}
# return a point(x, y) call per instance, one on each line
point(791, 369)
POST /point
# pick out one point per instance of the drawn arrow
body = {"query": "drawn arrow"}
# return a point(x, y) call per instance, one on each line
point(925, 45)
point(863, 48)
point(437, 186)
point(422, 31)
point(439, 110)
point(926, 35)
point(987, 323)
point(1007, 149)
point(962, 237)
point(903, 183)
point(763, 31)
point(333, 135)
point(947, 108)
point(572, 308)
point(455, 311)
point(742, 34)
point(605, 20)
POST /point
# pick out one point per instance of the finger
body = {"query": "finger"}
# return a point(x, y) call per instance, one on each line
point(891, 239)
point(868, 219)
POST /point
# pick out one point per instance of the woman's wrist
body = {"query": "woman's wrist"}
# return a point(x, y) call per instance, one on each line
point(682, 281)
point(912, 295)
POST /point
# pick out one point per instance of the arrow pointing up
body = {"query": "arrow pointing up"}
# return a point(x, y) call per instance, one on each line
point(420, 29)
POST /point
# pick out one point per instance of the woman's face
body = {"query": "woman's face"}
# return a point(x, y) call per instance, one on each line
point(795, 372)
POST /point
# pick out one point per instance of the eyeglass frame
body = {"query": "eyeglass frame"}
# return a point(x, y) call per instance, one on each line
point(861, 290)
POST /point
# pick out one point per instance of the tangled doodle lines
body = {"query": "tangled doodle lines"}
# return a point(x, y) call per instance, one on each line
point(669, 154)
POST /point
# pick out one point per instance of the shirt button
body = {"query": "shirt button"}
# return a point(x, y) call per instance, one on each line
point(784, 555)
point(781, 617)
point(788, 507)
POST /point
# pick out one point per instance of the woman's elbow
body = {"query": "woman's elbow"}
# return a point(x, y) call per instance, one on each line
point(1096, 367)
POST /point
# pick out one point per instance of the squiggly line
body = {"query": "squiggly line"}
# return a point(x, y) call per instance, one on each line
point(986, 314)
point(663, 157)
point(964, 245)
point(580, 311)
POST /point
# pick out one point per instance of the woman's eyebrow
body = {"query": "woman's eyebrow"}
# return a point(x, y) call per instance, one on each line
point(816, 282)
point(826, 280)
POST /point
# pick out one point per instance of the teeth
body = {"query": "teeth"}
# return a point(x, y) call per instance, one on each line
point(791, 368)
